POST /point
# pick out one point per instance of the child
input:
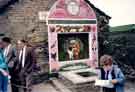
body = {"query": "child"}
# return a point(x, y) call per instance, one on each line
point(112, 73)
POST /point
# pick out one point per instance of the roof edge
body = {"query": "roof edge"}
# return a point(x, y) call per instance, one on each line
point(100, 11)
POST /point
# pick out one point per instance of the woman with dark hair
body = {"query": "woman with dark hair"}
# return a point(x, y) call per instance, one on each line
point(112, 73)
point(3, 72)
point(10, 55)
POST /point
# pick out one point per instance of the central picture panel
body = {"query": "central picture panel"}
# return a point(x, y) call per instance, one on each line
point(70, 47)
point(73, 46)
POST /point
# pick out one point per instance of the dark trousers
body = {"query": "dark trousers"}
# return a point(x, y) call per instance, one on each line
point(109, 89)
point(22, 84)
point(14, 81)
point(15, 85)
point(26, 82)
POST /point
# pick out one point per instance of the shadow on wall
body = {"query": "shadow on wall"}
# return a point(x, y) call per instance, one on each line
point(2, 35)
point(5, 4)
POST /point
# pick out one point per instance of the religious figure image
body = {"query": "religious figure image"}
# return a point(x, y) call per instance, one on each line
point(73, 50)
point(73, 46)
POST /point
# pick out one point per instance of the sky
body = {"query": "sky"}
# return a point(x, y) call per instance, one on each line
point(121, 11)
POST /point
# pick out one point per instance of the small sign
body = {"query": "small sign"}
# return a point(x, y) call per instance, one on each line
point(42, 15)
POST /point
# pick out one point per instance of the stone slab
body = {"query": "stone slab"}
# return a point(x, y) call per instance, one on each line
point(76, 78)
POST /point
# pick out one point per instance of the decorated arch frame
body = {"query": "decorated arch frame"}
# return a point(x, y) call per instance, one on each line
point(72, 34)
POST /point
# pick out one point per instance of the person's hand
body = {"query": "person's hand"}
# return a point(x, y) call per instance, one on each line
point(5, 73)
point(114, 81)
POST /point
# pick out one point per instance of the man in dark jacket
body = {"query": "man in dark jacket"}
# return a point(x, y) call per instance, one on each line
point(24, 64)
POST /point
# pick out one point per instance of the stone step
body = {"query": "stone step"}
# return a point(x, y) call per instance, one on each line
point(60, 86)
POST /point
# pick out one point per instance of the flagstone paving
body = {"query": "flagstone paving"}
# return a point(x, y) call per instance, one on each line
point(48, 87)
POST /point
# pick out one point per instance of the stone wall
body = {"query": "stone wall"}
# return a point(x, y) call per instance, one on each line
point(21, 21)
point(23, 17)
point(121, 46)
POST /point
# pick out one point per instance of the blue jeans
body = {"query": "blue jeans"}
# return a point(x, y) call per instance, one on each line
point(3, 83)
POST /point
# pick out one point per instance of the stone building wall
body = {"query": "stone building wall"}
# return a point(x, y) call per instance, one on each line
point(23, 17)
point(21, 20)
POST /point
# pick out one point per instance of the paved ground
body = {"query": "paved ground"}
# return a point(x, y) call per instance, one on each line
point(130, 87)
point(47, 87)
point(44, 88)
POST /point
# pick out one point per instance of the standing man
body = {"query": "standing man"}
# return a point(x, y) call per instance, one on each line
point(10, 56)
point(25, 61)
